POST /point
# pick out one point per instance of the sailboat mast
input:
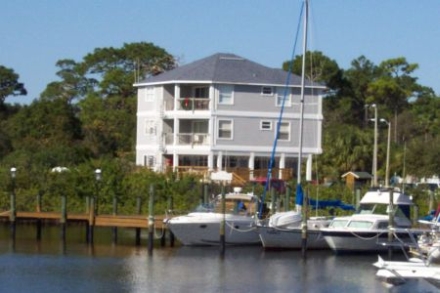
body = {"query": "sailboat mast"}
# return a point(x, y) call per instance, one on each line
point(303, 70)
point(299, 188)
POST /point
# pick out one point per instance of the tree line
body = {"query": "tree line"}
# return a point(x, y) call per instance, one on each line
point(87, 120)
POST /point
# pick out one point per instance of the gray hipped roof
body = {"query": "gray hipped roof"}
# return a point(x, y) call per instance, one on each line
point(225, 68)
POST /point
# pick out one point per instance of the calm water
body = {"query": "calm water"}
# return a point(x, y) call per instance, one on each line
point(49, 266)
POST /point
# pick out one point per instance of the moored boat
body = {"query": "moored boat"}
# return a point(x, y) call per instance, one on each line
point(202, 227)
point(283, 230)
point(368, 229)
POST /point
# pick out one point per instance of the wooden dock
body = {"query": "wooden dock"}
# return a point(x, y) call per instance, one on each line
point(119, 221)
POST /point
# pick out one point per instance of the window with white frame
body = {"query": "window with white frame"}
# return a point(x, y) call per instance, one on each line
point(225, 129)
point(150, 127)
point(226, 95)
point(265, 125)
point(149, 94)
point(284, 131)
point(267, 91)
point(283, 94)
point(201, 92)
point(149, 161)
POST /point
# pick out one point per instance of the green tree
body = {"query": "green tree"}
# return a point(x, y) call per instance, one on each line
point(46, 132)
point(9, 84)
point(395, 86)
point(346, 148)
point(319, 69)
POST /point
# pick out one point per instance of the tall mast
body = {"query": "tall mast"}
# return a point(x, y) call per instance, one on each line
point(299, 188)
point(303, 70)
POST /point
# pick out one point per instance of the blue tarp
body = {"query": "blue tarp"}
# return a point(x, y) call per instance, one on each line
point(335, 203)
point(299, 195)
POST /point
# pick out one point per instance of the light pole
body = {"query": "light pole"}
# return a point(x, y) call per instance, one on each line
point(98, 177)
point(13, 212)
point(387, 170)
point(374, 169)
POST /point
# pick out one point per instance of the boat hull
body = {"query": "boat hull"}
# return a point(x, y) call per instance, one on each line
point(204, 230)
point(273, 238)
point(291, 237)
point(366, 241)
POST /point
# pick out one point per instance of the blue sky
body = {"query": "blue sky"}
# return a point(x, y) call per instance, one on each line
point(36, 34)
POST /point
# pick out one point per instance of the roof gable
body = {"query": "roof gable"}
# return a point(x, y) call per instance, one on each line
point(358, 175)
point(225, 68)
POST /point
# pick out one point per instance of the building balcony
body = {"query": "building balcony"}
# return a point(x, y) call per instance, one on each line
point(189, 139)
point(188, 104)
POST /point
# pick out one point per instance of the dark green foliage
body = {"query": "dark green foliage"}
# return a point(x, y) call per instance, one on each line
point(9, 84)
point(87, 120)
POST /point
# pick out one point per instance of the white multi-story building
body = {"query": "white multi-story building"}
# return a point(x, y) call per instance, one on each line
point(221, 112)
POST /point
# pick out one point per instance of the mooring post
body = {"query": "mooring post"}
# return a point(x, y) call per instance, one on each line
point(38, 223)
point(223, 225)
point(304, 226)
point(390, 224)
point(13, 213)
point(87, 204)
point(91, 221)
point(205, 192)
point(63, 219)
point(272, 202)
point(115, 211)
point(170, 208)
point(138, 230)
point(151, 221)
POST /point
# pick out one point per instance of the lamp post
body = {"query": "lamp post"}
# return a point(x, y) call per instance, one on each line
point(387, 170)
point(13, 212)
point(98, 177)
point(374, 169)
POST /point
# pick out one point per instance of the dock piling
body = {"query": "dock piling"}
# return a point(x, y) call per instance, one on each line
point(151, 221)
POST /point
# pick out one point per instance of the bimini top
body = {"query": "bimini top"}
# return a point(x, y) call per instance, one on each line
point(383, 197)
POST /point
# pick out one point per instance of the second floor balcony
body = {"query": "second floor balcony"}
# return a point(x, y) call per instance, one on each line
point(189, 139)
point(188, 104)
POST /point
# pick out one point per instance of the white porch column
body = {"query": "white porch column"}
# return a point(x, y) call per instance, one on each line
point(282, 165)
point(175, 161)
point(251, 165)
point(309, 168)
point(176, 96)
point(210, 161)
point(219, 161)
point(211, 97)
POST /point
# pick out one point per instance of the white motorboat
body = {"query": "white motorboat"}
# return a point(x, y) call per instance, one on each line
point(428, 243)
point(202, 227)
point(283, 230)
point(398, 272)
point(368, 228)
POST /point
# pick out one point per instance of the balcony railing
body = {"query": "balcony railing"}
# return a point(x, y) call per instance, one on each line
point(188, 139)
point(189, 104)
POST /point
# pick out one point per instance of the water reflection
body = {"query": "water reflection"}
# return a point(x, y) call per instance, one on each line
point(52, 266)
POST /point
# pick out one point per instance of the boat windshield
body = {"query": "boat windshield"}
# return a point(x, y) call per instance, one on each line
point(205, 208)
point(338, 223)
point(360, 224)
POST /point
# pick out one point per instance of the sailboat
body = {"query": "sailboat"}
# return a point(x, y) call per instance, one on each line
point(292, 229)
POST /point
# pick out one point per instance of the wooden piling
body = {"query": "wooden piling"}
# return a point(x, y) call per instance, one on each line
point(13, 214)
point(223, 225)
point(304, 225)
point(151, 221)
point(63, 219)
point(91, 221)
point(138, 210)
point(39, 222)
point(115, 211)
point(170, 208)
point(287, 201)
point(390, 224)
